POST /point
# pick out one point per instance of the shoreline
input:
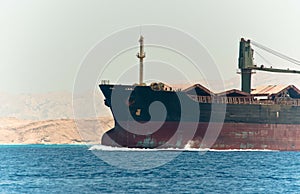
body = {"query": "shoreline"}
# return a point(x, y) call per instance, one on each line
point(45, 145)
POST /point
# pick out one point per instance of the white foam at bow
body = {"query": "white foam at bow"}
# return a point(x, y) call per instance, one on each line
point(110, 148)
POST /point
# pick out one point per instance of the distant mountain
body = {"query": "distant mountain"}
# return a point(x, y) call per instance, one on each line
point(58, 131)
point(48, 118)
point(52, 105)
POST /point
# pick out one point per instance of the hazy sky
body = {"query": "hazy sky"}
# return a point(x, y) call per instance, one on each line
point(42, 43)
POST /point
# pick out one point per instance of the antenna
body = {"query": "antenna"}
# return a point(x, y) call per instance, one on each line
point(140, 30)
point(141, 55)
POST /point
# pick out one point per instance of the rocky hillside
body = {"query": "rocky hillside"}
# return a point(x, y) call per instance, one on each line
point(57, 131)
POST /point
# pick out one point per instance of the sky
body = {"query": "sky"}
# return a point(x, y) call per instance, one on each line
point(43, 42)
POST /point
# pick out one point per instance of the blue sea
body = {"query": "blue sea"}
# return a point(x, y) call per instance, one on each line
point(80, 169)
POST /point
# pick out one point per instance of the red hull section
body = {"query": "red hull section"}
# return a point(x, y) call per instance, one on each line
point(231, 136)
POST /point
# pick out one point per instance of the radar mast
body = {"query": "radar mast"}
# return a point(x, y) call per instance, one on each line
point(141, 55)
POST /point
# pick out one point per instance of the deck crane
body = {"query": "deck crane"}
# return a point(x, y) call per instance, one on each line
point(246, 64)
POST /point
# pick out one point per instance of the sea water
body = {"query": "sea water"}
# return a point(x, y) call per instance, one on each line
point(82, 169)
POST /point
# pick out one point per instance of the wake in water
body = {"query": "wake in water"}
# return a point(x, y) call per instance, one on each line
point(186, 149)
point(110, 148)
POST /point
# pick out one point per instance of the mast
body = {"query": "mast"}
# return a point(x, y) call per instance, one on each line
point(141, 55)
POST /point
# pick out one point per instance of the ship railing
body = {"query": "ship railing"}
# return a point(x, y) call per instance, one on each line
point(292, 102)
point(242, 100)
point(223, 100)
point(233, 100)
point(104, 82)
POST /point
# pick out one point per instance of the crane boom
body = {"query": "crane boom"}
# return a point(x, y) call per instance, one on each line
point(275, 70)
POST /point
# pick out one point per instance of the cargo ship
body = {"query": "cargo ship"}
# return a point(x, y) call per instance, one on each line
point(157, 116)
